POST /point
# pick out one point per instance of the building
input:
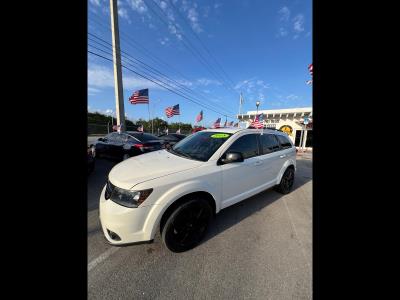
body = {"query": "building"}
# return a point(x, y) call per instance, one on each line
point(289, 120)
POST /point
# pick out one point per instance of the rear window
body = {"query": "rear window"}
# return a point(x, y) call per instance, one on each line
point(144, 137)
point(284, 141)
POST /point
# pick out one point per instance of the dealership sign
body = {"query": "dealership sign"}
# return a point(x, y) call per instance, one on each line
point(286, 129)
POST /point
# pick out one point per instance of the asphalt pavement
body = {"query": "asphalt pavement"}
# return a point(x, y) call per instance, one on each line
point(260, 248)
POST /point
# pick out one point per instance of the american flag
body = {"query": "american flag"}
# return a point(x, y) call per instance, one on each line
point(258, 121)
point(199, 116)
point(172, 110)
point(140, 97)
point(217, 124)
point(310, 68)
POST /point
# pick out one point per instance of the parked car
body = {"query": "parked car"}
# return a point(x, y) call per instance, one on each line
point(126, 144)
point(177, 191)
point(90, 159)
point(171, 139)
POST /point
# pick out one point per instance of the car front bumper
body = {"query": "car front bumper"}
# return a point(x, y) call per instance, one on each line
point(127, 223)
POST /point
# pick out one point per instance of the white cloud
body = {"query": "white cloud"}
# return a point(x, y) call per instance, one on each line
point(138, 6)
point(123, 13)
point(103, 77)
point(298, 23)
point(292, 97)
point(207, 82)
point(95, 2)
point(282, 32)
point(164, 41)
point(163, 5)
point(93, 91)
point(193, 17)
point(284, 14)
point(217, 5)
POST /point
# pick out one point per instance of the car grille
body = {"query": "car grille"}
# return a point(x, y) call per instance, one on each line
point(109, 189)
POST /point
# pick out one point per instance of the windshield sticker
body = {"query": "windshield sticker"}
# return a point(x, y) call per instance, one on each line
point(220, 135)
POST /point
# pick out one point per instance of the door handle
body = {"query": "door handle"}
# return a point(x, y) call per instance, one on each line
point(282, 156)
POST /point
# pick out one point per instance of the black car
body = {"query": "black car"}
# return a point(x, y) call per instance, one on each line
point(171, 139)
point(126, 144)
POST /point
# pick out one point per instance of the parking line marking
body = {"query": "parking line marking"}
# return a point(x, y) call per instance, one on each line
point(295, 232)
point(102, 257)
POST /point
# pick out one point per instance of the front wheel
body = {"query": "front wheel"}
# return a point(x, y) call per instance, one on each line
point(187, 225)
point(287, 180)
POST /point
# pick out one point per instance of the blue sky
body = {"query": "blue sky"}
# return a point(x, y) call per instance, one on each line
point(264, 47)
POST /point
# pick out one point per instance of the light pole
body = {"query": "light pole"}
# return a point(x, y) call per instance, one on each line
point(257, 104)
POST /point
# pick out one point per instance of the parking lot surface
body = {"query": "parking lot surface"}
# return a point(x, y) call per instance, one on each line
point(260, 248)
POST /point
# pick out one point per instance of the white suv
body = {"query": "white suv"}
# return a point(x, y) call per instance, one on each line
point(177, 191)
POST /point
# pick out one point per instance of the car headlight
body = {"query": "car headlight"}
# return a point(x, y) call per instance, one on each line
point(128, 198)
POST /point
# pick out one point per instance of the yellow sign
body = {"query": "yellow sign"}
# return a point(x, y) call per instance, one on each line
point(220, 135)
point(287, 129)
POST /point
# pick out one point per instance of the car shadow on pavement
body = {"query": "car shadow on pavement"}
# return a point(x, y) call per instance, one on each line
point(236, 213)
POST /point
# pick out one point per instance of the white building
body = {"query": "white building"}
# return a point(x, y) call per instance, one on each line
point(290, 120)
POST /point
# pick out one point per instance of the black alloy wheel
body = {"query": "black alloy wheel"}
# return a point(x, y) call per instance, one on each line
point(187, 225)
point(286, 184)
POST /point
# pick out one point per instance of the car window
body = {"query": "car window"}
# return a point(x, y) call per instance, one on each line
point(112, 137)
point(284, 141)
point(247, 145)
point(269, 143)
point(144, 137)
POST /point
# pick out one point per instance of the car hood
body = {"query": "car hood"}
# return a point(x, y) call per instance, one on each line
point(149, 166)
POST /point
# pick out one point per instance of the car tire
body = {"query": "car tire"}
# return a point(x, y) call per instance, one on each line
point(126, 156)
point(287, 180)
point(187, 225)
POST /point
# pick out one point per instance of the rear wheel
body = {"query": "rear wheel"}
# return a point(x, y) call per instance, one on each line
point(187, 225)
point(287, 180)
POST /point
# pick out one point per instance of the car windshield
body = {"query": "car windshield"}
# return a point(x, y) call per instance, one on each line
point(201, 145)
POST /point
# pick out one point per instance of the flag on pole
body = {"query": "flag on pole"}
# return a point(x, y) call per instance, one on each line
point(199, 116)
point(217, 123)
point(310, 68)
point(140, 97)
point(172, 110)
point(258, 121)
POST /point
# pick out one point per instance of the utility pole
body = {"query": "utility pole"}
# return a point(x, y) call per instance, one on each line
point(119, 97)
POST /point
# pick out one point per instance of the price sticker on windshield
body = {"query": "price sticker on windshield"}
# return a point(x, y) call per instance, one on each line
point(220, 136)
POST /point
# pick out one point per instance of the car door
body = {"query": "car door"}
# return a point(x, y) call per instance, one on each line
point(240, 180)
point(270, 157)
point(286, 151)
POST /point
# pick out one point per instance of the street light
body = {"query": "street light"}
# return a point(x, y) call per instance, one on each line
point(257, 104)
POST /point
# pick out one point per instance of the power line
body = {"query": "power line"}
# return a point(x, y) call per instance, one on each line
point(147, 67)
point(188, 45)
point(146, 52)
point(143, 76)
point(201, 42)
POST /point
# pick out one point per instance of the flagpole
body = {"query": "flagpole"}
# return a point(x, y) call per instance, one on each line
point(148, 108)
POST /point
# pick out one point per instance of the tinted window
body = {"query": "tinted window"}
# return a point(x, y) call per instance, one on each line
point(247, 145)
point(112, 136)
point(201, 145)
point(269, 143)
point(284, 141)
point(144, 137)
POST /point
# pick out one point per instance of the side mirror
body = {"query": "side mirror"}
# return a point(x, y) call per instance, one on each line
point(231, 157)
